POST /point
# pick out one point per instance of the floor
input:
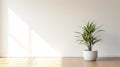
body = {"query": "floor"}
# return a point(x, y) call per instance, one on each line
point(58, 62)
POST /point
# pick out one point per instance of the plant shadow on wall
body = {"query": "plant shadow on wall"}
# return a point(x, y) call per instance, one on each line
point(23, 41)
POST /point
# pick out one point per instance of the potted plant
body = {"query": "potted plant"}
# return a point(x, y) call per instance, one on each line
point(89, 36)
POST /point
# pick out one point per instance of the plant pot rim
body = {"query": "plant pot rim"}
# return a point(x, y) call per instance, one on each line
point(91, 51)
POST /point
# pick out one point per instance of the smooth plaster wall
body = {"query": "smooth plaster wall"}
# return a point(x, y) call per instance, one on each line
point(3, 28)
point(55, 21)
point(0, 25)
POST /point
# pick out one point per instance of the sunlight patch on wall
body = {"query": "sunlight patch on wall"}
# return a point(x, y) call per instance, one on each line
point(23, 41)
point(40, 47)
point(18, 36)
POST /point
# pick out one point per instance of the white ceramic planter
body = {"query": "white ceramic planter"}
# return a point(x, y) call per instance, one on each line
point(90, 55)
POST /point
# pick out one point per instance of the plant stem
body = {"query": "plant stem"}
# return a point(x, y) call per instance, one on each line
point(90, 47)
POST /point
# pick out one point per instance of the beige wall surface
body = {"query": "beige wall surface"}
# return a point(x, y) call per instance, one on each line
point(0, 25)
point(3, 28)
point(45, 28)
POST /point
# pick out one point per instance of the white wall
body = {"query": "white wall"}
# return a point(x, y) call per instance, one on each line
point(0, 25)
point(55, 22)
point(3, 28)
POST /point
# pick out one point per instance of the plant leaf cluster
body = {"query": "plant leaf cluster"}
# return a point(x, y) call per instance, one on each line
point(89, 36)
